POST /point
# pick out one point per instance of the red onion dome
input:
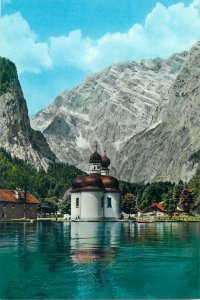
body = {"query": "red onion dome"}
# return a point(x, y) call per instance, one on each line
point(93, 180)
point(78, 182)
point(95, 158)
point(110, 182)
point(105, 162)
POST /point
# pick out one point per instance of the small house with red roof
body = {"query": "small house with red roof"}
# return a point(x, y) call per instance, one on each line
point(96, 196)
point(13, 206)
point(155, 209)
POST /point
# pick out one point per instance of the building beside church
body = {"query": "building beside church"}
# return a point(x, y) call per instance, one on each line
point(155, 209)
point(96, 196)
point(12, 205)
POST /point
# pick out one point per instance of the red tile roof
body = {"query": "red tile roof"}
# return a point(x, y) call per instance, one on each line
point(12, 196)
point(159, 206)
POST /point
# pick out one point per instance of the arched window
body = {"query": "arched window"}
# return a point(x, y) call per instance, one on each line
point(109, 203)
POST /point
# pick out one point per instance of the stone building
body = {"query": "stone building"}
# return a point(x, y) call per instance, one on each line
point(12, 205)
point(96, 196)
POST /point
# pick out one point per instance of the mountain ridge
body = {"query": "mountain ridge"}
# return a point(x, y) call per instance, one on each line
point(176, 136)
point(109, 108)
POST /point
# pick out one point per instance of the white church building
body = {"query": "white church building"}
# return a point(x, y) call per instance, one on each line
point(96, 196)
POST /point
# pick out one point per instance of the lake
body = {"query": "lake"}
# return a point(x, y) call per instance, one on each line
point(99, 260)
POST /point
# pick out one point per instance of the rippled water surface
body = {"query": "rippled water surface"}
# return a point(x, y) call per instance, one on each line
point(99, 260)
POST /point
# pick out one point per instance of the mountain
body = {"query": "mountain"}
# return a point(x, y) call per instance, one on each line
point(16, 134)
point(168, 149)
point(146, 114)
point(109, 108)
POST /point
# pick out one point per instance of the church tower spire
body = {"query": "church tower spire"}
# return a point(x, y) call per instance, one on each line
point(105, 164)
point(95, 162)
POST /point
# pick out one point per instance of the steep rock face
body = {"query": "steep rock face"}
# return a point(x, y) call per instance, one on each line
point(16, 134)
point(163, 151)
point(109, 107)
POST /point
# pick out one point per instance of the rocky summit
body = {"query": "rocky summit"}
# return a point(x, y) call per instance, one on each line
point(16, 134)
point(109, 108)
point(163, 151)
point(146, 115)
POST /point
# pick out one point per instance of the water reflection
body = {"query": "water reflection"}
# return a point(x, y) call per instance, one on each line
point(99, 260)
point(92, 242)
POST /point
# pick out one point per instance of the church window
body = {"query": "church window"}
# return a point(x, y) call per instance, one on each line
point(109, 202)
point(102, 202)
point(77, 202)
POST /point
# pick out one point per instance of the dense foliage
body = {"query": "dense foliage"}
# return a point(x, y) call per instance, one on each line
point(16, 173)
point(194, 186)
point(195, 157)
point(181, 195)
point(48, 206)
point(129, 204)
point(146, 194)
point(8, 75)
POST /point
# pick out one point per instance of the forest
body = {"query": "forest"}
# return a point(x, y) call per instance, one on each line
point(50, 186)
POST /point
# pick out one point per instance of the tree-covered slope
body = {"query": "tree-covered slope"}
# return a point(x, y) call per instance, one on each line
point(15, 173)
point(8, 78)
point(54, 182)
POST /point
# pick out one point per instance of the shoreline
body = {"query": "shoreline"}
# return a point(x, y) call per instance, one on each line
point(53, 220)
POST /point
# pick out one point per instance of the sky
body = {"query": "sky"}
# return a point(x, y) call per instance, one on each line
point(56, 44)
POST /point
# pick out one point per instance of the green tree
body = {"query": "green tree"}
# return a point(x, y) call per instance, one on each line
point(65, 206)
point(23, 179)
point(177, 191)
point(48, 206)
point(170, 203)
point(129, 204)
point(194, 185)
point(187, 201)
point(153, 193)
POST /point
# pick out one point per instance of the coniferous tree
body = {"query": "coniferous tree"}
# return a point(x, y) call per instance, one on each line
point(187, 201)
point(65, 206)
point(178, 189)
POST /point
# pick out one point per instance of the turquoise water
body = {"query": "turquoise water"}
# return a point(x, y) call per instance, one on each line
point(99, 260)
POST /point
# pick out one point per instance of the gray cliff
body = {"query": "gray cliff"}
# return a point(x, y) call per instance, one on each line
point(109, 107)
point(16, 134)
point(146, 115)
point(163, 151)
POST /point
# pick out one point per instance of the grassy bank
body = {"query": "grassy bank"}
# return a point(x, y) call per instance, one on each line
point(195, 218)
point(178, 219)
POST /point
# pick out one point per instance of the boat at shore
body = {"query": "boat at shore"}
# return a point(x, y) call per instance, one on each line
point(145, 221)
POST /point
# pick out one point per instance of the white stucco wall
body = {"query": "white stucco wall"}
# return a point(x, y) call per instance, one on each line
point(95, 168)
point(112, 212)
point(75, 212)
point(155, 213)
point(105, 172)
point(90, 205)
point(91, 208)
